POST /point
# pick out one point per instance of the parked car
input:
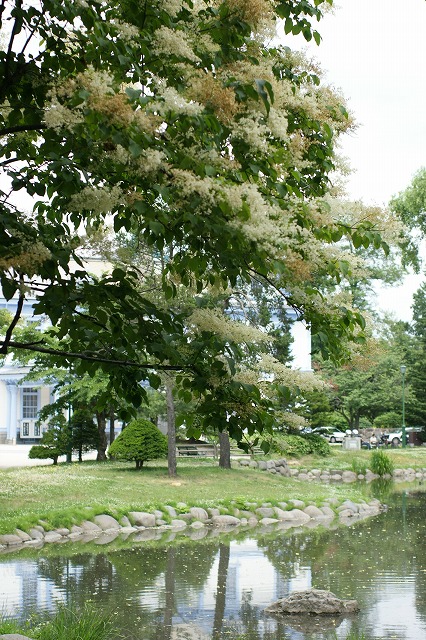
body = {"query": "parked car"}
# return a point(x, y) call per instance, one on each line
point(330, 433)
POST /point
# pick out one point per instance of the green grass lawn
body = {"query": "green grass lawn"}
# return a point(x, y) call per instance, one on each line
point(65, 494)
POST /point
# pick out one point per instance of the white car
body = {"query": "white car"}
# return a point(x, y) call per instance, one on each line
point(330, 433)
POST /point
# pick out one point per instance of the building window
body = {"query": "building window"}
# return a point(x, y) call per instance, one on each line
point(25, 428)
point(29, 402)
point(36, 430)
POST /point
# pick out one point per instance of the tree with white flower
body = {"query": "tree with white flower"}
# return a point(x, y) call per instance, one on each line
point(181, 121)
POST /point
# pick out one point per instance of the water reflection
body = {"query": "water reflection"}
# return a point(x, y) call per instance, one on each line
point(218, 588)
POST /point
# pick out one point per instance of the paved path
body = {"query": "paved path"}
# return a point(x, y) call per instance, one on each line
point(17, 456)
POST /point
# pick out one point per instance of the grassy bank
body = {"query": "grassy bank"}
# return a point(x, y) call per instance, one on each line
point(67, 494)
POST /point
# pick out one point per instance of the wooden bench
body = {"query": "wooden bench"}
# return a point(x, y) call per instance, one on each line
point(202, 450)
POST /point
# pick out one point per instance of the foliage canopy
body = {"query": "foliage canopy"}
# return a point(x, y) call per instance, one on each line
point(176, 121)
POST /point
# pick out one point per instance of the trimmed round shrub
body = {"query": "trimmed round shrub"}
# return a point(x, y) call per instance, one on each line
point(140, 441)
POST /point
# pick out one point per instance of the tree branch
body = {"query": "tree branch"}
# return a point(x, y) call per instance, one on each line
point(34, 346)
point(22, 127)
point(19, 307)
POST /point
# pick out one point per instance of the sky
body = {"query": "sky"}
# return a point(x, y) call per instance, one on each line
point(374, 51)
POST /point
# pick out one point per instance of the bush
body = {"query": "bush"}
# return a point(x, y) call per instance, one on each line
point(296, 446)
point(140, 441)
point(380, 463)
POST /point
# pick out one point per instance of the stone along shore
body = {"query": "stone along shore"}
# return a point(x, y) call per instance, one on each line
point(194, 521)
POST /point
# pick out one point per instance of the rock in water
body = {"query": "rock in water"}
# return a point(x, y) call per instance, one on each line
point(312, 601)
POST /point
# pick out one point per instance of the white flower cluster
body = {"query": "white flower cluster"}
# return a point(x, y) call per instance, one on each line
point(172, 42)
point(150, 161)
point(189, 184)
point(128, 32)
point(174, 101)
point(172, 7)
point(31, 257)
point(214, 321)
point(57, 115)
point(97, 199)
point(292, 378)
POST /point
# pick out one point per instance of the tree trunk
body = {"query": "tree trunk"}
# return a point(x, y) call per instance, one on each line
point(225, 450)
point(111, 425)
point(80, 453)
point(102, 446)
point(222, 575)
point(171, 431)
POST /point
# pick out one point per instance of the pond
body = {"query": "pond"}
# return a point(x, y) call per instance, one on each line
point(217, 587)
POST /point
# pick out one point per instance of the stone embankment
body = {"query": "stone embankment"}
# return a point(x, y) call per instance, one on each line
point(330, 475)
point(197, 520)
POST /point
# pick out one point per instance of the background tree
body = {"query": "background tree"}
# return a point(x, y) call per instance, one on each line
point(55, 441)
point(139, 441)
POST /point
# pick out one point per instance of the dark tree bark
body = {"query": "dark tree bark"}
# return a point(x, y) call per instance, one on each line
point(102, 446)
point(225, 450)
point(222, 575)
point(171, 431)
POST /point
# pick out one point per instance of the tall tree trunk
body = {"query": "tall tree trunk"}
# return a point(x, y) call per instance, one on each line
point(171, 430)
point(222, 575)
point(102, 446)
point(111, 425)
point(225, 450)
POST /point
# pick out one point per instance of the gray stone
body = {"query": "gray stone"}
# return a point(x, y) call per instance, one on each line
point(10, 539)
point(170, 510)
point(213, 511)
point(303, 476)
point(265, 512)
point(300, 516)
point(90, 527)
point(224, 521)
point(283, 505)
point(36, 534)
point(199, 514)
point(328, 511)
point(181, 505)
point(346, 513)
point(160, 522)
point(105, 522)
point(348, 504)
point(313, 512)
point(253, 464)
point(267, 521)
point(76, 529)
point(297, 503)
point(272, 470)
point(52, 536)
point(142, 519)
point(23, 535)
point(262, 465)
point(336, 477)
point(270, 464)
point(280, 513)
point(63, 531)
point(197, 525)
point(349, 476)
point(178, 524)
point(294, 472)
point(284, 471)
point(313, 601)
point(244, 462)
